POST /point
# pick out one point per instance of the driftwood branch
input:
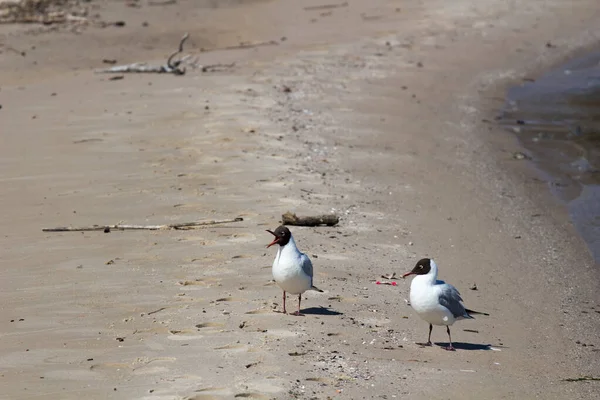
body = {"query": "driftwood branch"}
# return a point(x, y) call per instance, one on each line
point(140, 68)
point(172, 67)
point(120, 227)
point(292, 219)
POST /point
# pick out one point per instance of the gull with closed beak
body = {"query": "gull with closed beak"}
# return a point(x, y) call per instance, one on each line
point(435, 301)
point(292, 269)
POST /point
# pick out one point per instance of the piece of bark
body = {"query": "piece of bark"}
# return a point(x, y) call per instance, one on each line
point(292, 219)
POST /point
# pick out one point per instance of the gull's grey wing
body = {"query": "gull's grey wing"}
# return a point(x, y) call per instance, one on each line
point(308, 270)
point(306, 265)
point(450, 298)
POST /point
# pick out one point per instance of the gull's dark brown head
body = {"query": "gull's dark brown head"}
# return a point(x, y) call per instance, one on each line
point(422, 267)
point(282, 236)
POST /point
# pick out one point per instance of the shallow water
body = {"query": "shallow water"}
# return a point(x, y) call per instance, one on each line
point(557, 119)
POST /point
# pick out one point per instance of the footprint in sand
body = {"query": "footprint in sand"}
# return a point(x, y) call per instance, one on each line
point(200, 282)
point(234, 347)
point(241, 237)
point(198, 240)
point(282, 333)
point(137, 364)
point(243, 256)
point(292, 201)
point(203, 397)
point(110, 366)
point(273, 184)
point(191, 206)
point(260, 311)
point(211, 393)
point(180, 332)
point(227, 299)
point(345, 299)
point(333, 257)
point(210, 327)
point(321, 380)
point(183, 335)
point(69, 374)
point(250, 395)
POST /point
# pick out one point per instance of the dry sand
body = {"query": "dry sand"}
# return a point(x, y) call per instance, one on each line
point(387, 123)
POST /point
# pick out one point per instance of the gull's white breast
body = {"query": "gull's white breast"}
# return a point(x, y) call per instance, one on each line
point(288, 272)
point(424, 299)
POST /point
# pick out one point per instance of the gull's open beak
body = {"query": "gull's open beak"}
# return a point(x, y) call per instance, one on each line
point(407, 274)
point(274, 240)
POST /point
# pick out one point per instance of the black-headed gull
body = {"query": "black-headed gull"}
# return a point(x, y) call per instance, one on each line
point(292, 269)
point(437, 302)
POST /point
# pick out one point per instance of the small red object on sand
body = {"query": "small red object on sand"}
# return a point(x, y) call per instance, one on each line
point(393, 283)
point(378, 283)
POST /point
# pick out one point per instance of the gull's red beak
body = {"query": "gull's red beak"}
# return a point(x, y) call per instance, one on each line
point(274, 240)
point(407, 274)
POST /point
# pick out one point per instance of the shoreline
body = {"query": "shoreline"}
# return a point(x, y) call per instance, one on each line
point(564, 155)
point(413, 172)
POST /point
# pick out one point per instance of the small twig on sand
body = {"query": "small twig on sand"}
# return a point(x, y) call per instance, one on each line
point(107, 228)
point(583, 378)
point(175, 66)
point(326, 6)
point(390, 276)
point(244, 46)
point(172, 67)
point(291, 219)
point(156, 311)
point(162, 3)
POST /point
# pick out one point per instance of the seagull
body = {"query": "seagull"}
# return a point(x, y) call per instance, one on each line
point(292, 269)
point(436, 302)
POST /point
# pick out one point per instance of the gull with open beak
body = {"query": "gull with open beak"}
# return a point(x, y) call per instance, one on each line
point(292, 269)
point(437, 302)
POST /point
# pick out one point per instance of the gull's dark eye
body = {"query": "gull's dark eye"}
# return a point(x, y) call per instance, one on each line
point(420, 266)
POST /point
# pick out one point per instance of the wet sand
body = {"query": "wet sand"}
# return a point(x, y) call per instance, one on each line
point(387, 121)
point(556, 118)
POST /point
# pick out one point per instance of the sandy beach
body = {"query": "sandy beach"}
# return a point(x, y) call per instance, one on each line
point(381, 112)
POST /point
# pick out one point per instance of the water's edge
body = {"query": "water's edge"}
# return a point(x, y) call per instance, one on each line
point(557, 120)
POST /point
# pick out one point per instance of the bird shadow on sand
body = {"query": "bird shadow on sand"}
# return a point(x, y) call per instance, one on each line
point(468, 346)
point(320, 311)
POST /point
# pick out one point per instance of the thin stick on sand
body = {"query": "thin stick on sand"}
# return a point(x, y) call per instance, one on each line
point(326, 6)
point(243, 45)
point(120, 227)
